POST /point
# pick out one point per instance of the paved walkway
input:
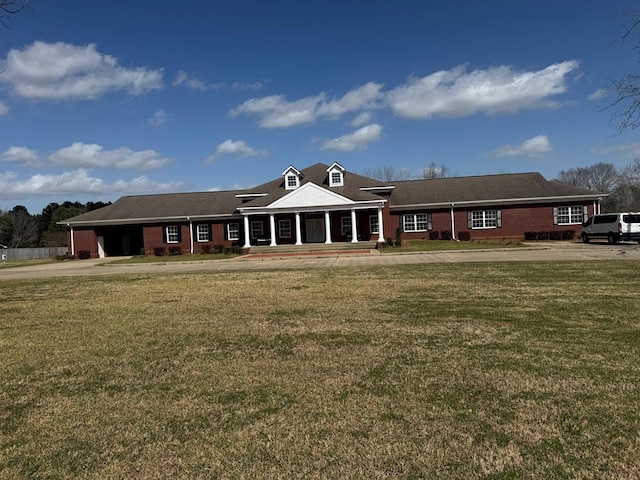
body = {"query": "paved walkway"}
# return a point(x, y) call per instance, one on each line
point(551, 251)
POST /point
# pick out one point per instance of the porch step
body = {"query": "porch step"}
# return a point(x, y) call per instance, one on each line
point(312, 247)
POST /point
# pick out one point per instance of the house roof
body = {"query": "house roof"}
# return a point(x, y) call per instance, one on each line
point(512, 187)
point(486, 189)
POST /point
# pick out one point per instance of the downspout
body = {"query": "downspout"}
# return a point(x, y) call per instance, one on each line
point(190, 235)
point(73, 245)
point(453, 224)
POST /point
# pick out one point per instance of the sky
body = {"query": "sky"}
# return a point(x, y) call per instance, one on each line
point(104, 99)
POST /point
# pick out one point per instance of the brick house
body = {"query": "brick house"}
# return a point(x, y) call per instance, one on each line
point(328, 204)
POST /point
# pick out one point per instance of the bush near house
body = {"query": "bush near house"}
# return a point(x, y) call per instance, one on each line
point(159, 251)
point(175, 250)
point(464, 236)
point(84, 254)
point(445, 235)
point(550, 235)
point(434, 235)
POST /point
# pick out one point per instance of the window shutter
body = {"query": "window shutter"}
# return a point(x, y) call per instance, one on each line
point(585, 213)
point(429, 221)
point(179, 233)
point(469, 220)
point(555, 215)
point(499, 218)
point(226, 231)
point(164, 234)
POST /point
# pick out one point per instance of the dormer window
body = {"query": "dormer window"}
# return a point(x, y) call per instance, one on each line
point(292, 182)
point(336, 175)
point(291, 178)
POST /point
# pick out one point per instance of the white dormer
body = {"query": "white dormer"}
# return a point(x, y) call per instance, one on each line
point(336, 175)
point(292, 178)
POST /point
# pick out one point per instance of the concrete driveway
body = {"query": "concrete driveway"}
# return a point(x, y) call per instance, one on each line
point(547, 251)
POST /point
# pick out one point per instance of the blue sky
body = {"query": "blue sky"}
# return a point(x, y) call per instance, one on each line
point(104, 99)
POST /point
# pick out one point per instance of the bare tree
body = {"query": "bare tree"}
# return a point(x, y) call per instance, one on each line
point(623, 95)
point(388, 173)
point(11, 7)
point(18, 228)
point(433, 170)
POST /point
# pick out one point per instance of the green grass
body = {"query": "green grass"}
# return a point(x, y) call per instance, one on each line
point(440, 245)
point(456, 371)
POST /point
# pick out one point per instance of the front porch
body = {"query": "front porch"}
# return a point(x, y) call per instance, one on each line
point(314, 248)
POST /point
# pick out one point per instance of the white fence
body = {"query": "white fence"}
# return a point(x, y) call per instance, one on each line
point(20, 254)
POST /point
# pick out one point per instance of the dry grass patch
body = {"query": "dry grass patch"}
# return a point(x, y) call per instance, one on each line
point(445, 371)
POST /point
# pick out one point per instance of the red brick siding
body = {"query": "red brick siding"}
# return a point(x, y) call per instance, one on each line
point(83, 239)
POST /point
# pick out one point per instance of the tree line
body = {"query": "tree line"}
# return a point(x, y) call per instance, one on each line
point(20, 229)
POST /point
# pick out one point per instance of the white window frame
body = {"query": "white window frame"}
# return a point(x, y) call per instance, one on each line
point(416, 222)
point(335, 178)
point(484, 219)
point(257, 229)
point(291, 181)
point(345, 226)
point(374, 227)
point(233, 231)
point(172, 233)
point(284, 228)
point(570, 215)
point(202, 233)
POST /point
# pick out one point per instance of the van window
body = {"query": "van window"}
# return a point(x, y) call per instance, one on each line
point(605, 219)
point(631, 218)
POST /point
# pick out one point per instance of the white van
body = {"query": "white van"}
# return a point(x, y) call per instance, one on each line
point(612, 226)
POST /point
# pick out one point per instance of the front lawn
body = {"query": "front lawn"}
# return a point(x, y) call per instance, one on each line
point(451, 371)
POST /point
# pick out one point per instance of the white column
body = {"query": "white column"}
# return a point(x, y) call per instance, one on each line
point(298, 230)
point(190, 235)
point(272, 229)
point(73, 244)
point(380, 225)
point(354, 227)
point(247, 241)
point(453, 224)
point(327, 227)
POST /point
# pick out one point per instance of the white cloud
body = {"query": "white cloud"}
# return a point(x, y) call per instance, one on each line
point(356, 140)
point(361, 119)
point(77, 182)
point(598, 94)
point(238, 148)
point(61, 71)
point(83, 155)
point(246, 86)
point(158, 119)
point(534, 147)
point(354, 100)
point(21, 156)
point(624, 150)
point(496, 90)
point(276, 112)
point(3, 109)
point(194, 83)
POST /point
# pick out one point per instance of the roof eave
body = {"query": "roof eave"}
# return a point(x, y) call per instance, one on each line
point(143, 220)
point(501, 201)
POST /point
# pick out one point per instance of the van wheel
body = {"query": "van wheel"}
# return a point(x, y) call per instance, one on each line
point(585, 238)
point(611, 239)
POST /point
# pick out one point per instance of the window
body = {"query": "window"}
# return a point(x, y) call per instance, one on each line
point(173, 234)
point(569, 215)
point(202, 233)
point(345, 226)
point(233, 231)
point(417, 222)
point(256, 230)
point(292, 181)
point(284, 228)
point(373, 224)
point(484, 219)
point(335, 180)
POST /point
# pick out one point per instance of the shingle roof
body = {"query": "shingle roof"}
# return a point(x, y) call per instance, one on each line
point(508, 187)
point(513, 186)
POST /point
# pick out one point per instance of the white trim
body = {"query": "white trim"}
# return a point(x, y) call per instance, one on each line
point(251, 195)
point(177, 234)
point(381, 188)
point(237, 236)
point(500, 201)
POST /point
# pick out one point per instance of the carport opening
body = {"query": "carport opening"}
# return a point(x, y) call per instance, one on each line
point(121, 241)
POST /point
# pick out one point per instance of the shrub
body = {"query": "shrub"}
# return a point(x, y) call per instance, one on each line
point(236, 249)
point(175, 250)
point(568, 234)
point(84, 254)
point(227, 250)
point(434, 235)
point(464, 236)
point(159, 251)
point(219, 248)
point(206, 249)
point(445, 235)
point(555, 235)
point(389, 241)
point(543, 235)
point(398, 237)
point(530, 235)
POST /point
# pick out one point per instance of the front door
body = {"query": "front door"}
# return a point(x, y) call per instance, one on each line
point(314, 227)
